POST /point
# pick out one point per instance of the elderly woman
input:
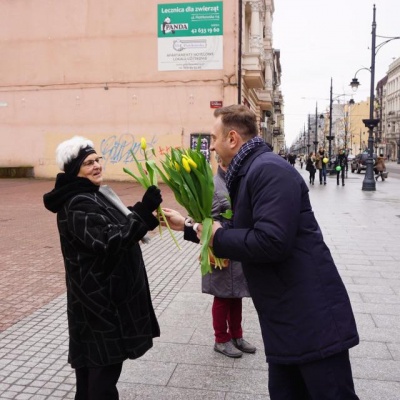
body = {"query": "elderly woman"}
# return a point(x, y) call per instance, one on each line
point(110, 313)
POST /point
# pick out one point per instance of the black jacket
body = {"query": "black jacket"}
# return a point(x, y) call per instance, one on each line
point(303, 307)
point(110, 313)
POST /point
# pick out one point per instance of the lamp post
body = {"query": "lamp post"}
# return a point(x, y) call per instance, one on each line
point(308, 136)
point(316, 129)
point(347, 124)
point(330, 137)
point(398, 150)
point(371, 123)
point(369, 183)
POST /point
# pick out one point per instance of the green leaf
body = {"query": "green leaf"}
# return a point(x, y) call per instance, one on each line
point(205, 239)
point(206, 192)
point(152, 171)
point(144, 176)
point(198, 144)
point(139, 180)
point(228, 214)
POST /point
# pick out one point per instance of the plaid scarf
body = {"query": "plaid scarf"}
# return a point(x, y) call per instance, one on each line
point(239, 158)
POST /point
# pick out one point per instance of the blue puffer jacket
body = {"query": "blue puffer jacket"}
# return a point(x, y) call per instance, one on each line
point(303, 307)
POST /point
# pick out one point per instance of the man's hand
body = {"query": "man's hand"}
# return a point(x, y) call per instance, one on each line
point(175, 220)
point(215, 226)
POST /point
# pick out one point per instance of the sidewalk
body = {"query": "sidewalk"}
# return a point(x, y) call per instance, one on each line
point(362, 230)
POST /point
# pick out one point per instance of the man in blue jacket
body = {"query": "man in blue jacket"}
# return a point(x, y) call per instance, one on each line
point(304, 310)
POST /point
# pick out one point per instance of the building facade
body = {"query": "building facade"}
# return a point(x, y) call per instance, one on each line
point(346, 131)
point(388, 111)
point(118, 71)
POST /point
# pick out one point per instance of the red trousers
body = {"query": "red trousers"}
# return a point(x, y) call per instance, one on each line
point(227, 319)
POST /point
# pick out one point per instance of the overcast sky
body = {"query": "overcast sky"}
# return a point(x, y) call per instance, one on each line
point(320, 39)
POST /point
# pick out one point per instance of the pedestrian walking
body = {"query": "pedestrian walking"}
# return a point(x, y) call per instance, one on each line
point(340, 166)
point(306, 319)
point(320, 163)
point(301, 160)
point(380, 168)
point(310, 167)
point(110, 313)
point(292, 159)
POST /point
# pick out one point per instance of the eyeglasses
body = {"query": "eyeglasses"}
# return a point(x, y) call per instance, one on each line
point(90, 163)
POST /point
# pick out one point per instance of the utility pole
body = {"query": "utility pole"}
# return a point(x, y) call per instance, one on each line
point(316, 129)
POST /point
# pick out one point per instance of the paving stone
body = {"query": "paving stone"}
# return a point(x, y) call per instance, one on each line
point(147, 392)
point(183, 364)
point(150, 372)
point(220, 379)
point(382, 370)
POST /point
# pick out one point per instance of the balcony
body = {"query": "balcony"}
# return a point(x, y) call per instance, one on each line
point(264, 99)
point(253, 73)
point(276, 131)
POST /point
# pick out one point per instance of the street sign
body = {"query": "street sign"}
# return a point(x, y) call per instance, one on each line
point(190, 36)
point(215, 104)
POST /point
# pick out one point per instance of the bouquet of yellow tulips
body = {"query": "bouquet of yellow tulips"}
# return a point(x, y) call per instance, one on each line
point(189, 175)
point(148, 177)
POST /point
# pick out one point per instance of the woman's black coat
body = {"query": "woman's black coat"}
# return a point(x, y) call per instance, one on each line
point(303, 307)
point(110, 313)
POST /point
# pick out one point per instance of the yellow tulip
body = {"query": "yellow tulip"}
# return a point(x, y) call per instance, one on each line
point(185, 164)
point(177, 167)
point(143, 143)
point(192, 163)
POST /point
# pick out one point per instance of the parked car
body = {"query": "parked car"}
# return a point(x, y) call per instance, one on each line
point(351, 157)
point(359, 163)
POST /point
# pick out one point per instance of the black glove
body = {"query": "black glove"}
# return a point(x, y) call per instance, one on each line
point(152, 198)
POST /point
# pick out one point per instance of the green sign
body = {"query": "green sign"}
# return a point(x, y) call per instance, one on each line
point(190, 19)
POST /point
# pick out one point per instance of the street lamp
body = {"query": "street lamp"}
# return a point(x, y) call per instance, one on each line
point(347, 123)
point(330, 137)
point(371, 122)
point(321, 117)
point(398, 150)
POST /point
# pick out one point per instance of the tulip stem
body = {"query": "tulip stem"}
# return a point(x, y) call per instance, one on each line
point(161, 215)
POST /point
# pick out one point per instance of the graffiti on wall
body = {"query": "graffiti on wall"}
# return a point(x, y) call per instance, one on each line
point(162, 151)
point(118, 149)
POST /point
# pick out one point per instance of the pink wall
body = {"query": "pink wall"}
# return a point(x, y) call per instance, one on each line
point(57, 58)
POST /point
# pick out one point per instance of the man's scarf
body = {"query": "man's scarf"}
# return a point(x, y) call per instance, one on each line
point(239, 158)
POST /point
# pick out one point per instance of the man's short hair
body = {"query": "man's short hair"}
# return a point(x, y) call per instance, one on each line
point(239, 118)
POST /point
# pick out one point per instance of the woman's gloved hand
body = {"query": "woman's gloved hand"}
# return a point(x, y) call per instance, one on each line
point(152, 198)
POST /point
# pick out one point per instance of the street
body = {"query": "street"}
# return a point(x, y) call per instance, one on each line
point(362, 230)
